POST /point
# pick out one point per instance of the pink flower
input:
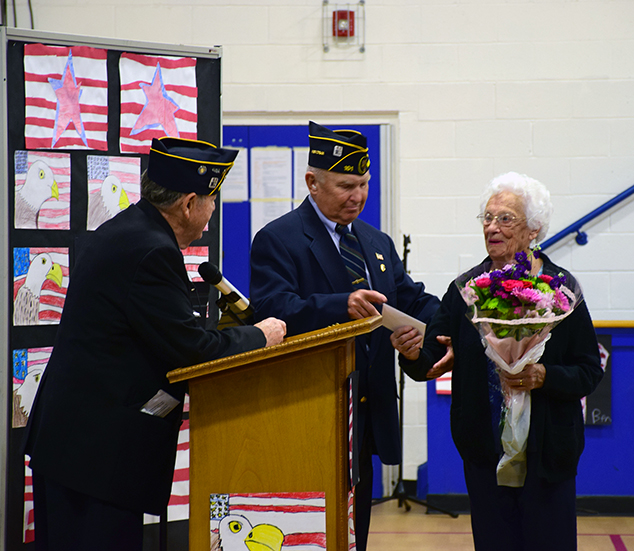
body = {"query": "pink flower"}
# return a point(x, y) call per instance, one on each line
point(546, 301)
point(511, 284)
point(561, 301)
point(483, 282)
point(545, 277)
point(528, 295)
point(469, 295)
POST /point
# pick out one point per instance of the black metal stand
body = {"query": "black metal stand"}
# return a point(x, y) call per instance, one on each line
point(400, 493)
point(163, 531)
point(225, 309)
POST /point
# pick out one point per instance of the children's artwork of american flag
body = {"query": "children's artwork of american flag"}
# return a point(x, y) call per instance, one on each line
point(114, 183)
point(194, 257)
point(66, 97)
point(178, 506)
point(443, 384)
point(158, 98)
point(28, 532)
point(294, 521)
point(352, 541)
point(28, 366)
point(604, 354)
point(40, 282)
point(42, 190)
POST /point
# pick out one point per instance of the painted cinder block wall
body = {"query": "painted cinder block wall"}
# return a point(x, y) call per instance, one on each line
point(472, 88)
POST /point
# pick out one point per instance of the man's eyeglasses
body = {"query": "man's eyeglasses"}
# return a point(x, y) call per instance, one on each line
point(505, 220)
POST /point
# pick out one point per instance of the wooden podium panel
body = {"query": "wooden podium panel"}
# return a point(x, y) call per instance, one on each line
point(274, 420)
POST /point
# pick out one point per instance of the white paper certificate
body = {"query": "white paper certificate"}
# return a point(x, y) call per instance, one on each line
point(160, 405)
point(393, 319)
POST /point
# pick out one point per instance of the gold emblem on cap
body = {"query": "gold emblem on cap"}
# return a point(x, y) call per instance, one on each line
point(202, 169)
point(364, 164)
point(383, 267)
point(213, 182)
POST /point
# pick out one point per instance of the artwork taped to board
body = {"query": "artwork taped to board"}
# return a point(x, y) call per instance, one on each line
point(66, 97)
point(597, 407)
point(40, 282)
point(276, 521)
point(114, 183)
point(42, 190)
point(28, 367)
point(158, 98)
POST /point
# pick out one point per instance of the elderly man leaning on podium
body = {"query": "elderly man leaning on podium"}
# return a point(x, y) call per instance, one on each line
point(320, 265)
point(103, 432)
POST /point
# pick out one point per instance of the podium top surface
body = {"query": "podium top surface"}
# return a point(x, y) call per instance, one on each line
point(296, 343)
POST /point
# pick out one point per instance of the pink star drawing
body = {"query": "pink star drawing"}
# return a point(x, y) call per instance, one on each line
point(68, 109)
point(159, 108)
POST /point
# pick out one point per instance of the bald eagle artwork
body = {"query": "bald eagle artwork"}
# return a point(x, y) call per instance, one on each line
point(26, 306)
point(278, 521)
point(23, 397)
point(235, 533)
point(107, 202)
point(39, 186)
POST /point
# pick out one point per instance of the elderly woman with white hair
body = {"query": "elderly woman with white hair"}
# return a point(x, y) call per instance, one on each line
point(540, 515)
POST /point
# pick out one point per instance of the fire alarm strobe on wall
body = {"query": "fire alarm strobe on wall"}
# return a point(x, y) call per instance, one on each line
point(342, 23)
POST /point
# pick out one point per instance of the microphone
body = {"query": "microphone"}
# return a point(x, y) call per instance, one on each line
point(211, 274)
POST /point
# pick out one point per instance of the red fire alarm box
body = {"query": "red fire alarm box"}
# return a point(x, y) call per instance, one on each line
point(342, 23)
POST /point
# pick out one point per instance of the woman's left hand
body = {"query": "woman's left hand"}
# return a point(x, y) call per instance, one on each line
point(531, 377)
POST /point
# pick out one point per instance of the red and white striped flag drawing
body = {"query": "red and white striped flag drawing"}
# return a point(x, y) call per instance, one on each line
point(28, 532)
point(352, 541)
point(66, 97)
point(114, 183)
point(44, 288)
point(194, 257)
point(443, 384)
point(158, 98)
point(42, 190)
point(178, 506)
point(300, 516)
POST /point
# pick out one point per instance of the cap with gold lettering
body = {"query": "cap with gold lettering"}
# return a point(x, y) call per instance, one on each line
point(343, 151)
point(189, 165)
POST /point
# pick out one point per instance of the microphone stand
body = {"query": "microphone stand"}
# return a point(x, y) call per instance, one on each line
point(223, 304)
point(399, 492)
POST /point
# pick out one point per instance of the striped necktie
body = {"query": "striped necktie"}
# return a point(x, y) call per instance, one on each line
point(352, 257)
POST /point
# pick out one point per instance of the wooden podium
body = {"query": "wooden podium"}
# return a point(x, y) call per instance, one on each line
point(273, 420)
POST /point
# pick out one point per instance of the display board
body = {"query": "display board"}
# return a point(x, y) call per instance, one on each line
point(79, 115)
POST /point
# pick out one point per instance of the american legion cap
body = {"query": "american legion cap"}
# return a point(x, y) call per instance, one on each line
point(343, 151)
point(189, 165)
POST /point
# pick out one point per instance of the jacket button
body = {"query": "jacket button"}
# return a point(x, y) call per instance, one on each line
point(363, 399)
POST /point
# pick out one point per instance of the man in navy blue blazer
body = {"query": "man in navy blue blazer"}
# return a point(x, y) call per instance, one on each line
point(299, 275)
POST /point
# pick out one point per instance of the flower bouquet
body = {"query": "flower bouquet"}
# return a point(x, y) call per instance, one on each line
point(514, 313)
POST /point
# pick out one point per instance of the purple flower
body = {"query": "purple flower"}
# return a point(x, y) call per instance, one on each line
point(557, 281)
point(522, 266)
